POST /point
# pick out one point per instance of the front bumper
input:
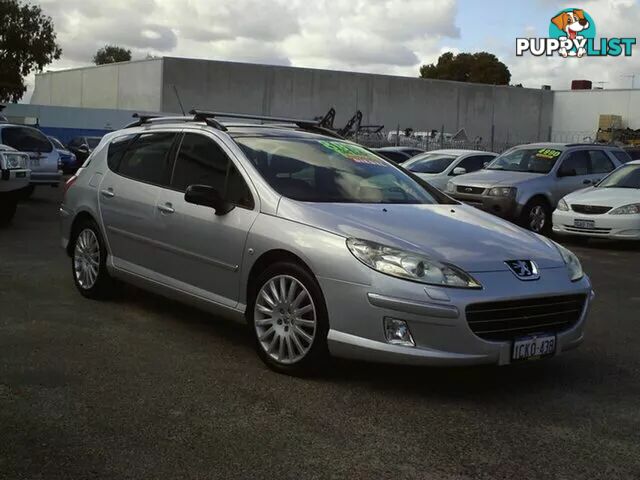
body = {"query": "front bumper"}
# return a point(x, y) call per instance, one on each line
point(504, 207)
point(439, 326)
point(46, 178)
point(12, 180)
point(613, 227)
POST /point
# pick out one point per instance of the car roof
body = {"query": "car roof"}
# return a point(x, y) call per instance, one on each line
point(460, 151)
point(633, 162)
point(561, 145)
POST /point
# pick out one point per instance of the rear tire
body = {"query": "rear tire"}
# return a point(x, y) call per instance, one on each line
point(536, 216)
point(288, 320)
point(8, 204)
point(26, 192)
point(88, 262)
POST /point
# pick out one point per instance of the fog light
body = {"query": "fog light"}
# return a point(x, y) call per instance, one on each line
point(397, 332)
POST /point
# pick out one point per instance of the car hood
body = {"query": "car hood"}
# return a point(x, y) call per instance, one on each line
point(459, 234)
point(491, 178)
point(604, 197)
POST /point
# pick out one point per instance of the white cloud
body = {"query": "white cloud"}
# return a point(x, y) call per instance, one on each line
point(388, 36)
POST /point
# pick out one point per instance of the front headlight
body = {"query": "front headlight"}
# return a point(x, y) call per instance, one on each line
point(13, 161)
point(503, 192)
point(572, 262)
point(409, 266)
point(562, 205)
point(451, 188)
point(632, 209)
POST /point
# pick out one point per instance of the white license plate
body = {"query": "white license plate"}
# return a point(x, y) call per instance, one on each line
point(35, 162)
point(533, 347)
point(584, 223)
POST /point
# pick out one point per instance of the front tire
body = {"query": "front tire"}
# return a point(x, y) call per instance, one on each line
point(288, 319)
point(536, 216)
point(88, 262)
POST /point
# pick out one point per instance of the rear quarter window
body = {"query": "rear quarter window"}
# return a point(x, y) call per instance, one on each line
point(622, 156)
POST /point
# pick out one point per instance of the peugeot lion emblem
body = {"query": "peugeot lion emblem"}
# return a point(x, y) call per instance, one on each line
point(468, 189)
point(523, 269)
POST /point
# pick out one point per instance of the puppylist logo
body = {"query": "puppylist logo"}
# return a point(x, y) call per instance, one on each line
point(572, 33)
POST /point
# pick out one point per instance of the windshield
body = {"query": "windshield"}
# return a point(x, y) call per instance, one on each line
point(526, 159)
point(93, 142)
point(429, 163)
point(57, 143)
point(624, 177)
point(319, 170)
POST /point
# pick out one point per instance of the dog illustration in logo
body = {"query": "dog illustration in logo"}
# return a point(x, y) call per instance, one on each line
point(572, 23)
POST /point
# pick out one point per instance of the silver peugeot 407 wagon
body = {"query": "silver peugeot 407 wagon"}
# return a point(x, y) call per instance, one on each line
point(323, 246)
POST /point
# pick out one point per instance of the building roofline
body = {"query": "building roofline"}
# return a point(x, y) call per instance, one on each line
point(88, 67)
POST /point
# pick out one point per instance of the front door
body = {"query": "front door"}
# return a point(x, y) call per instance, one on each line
point(202, 251)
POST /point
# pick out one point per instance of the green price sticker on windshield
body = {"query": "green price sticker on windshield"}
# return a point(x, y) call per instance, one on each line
point(352, 152)
point(548, 153)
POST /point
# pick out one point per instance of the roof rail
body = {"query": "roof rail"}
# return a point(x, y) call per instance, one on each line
point(145, 119)
point(201, 115)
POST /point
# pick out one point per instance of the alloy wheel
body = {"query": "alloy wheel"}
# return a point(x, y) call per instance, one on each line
point(537, 218)
point(285, 319)
point(86, 259)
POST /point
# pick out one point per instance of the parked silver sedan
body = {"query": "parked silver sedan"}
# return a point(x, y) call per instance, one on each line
point(321, 245)
point(437, 167)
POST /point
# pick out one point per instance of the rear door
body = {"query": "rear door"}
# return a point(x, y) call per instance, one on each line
point(201, 250)
point(573, 174)
point(601, 165)
point(43, 157)
point(137, 167)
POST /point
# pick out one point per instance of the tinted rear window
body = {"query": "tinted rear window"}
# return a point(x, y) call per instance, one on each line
point(147, 158)
point(26, 139)
point(621, 155)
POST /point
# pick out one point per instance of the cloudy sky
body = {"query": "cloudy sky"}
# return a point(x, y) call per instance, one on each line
point(380, 36)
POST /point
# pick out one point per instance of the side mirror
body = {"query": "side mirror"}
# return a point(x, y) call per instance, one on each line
point(207, 197)
point(459, 171)
point(84, 148)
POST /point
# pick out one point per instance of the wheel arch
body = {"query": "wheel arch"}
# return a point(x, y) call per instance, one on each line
point(82, 216)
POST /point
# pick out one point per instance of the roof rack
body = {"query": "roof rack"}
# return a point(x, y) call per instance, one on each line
point(210, 119)
point(308, 125)
point(152, 118)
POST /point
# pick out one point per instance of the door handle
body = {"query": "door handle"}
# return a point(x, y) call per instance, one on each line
point(166, 208)
point(108, 192)
point(586, 182)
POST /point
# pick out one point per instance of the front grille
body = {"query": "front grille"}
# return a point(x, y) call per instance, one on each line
point(499, 321)
point(595, 230)
point(590, 209)
point(470, 190)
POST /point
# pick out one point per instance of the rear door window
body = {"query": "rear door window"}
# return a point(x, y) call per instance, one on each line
point(26, 139)
point(600, 163)
point(475, 162)
point(148, 159)
point(577, 163)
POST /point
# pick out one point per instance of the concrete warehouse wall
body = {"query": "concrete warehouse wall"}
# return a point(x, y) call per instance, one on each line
point(133, 85)
point(519, 114)
point(576, 112)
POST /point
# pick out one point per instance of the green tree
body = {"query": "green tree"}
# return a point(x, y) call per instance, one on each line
point(481, 67)
point(27, 43)
point(111, 54)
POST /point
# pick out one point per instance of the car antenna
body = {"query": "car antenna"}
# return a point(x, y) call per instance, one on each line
point(175, 89)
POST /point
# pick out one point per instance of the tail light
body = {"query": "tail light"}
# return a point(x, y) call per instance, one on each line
point(68, 183)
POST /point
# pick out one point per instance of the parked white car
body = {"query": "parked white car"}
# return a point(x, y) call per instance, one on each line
point(14, 176)
point(610, 209)
point(438, 166)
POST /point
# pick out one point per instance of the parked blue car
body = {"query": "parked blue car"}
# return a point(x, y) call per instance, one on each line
point(68, 160)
